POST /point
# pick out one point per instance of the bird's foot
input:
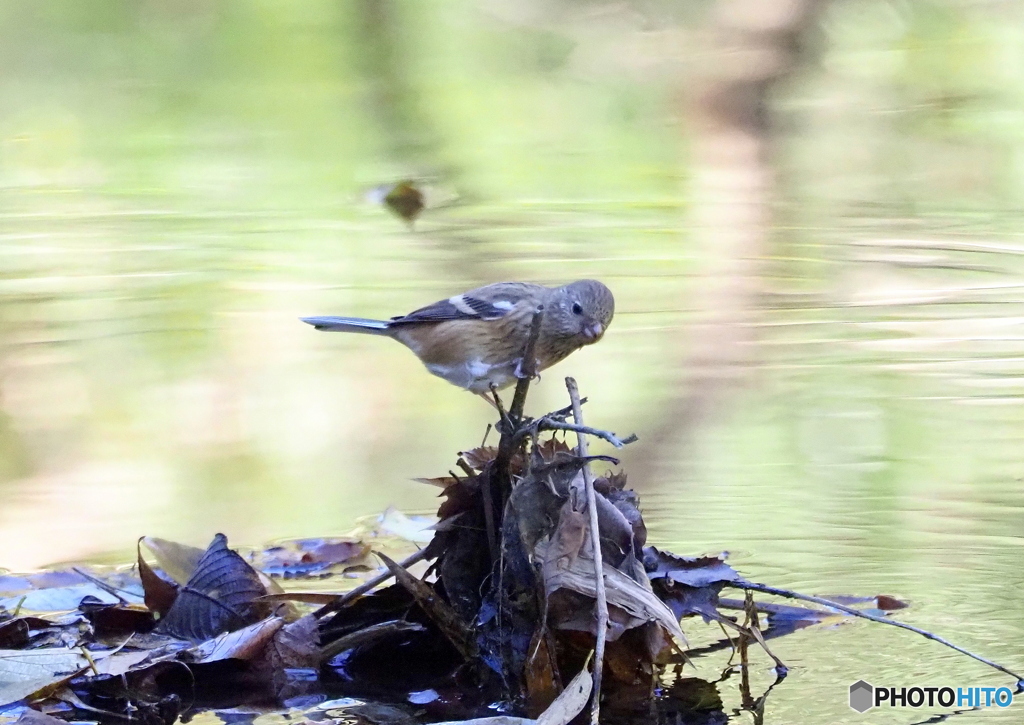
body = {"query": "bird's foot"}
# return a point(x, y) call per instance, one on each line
point(520, 373)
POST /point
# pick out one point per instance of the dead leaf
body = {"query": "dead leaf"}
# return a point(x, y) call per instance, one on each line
point(699, 571)
point(178, 561)
point(564, 547)
point(405, 200)
point(566, 706)
point(621, 591)
point(159, 593)
point(25, 672)
point(572, 700)
point(14, 634)
point(296, 645)
point(34, 717)
point(116, 620)
point(242, 644)
point(57, 599)
point(221, 595)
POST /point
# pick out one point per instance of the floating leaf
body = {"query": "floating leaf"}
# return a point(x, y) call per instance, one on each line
point(405, 199)
point(26, 672)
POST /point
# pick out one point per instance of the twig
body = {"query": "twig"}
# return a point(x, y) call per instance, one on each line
point(595, 541)
point(367, 586)
point(440, 612)
point(547, 423)
point(764, 588)
point(509, 440)
point(366, 635)
point(527, 368)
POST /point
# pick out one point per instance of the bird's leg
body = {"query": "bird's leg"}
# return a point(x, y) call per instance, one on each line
point(503, 421)
point(490, 401)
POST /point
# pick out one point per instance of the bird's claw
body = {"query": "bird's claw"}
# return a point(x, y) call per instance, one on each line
point(520, 373)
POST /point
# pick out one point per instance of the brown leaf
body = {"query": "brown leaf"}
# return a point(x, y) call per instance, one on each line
point(116, 620)
point(246, 644)
point(159, 593)
point(296, 645)
point(565, 546)
point(405, 200)
point(178, 561)
point(440, 481)
point(220, 596)
point(478, 458)
point(635, 600)
point(541, 673)
point(887, 603)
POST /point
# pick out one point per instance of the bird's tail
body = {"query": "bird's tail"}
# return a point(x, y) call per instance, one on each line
point(348, 324)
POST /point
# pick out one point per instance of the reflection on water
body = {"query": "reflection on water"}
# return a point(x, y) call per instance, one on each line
point(178, 185)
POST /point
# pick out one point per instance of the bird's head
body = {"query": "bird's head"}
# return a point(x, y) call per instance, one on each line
point(581, 310)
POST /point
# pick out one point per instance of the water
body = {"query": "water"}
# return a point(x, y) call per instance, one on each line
point(178, 185)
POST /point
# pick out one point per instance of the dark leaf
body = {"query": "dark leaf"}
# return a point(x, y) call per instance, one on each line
point(34, 717)
point(116, 619)
point(696, 571)
point(159, 593)
point(220, 596)
point(14, 634)
point(478, 458)
point(405, 200)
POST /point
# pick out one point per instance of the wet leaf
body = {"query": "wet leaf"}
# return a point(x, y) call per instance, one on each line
point(220, 596)
point(34, 717)
point(25, 672)
point(305, 557)
point(178, 561)
point(14, 634)
point(296, 645)
point(116, 619)
point(58, 599)
point(243, 644)
point(405, 199)
point(699, 571)
point(419, 529)
point(159, 593)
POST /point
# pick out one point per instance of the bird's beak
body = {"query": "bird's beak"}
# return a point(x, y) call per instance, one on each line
point(593, 332)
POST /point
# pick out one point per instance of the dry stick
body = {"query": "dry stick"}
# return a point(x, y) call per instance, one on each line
point(527, 368)
point(547, 423)
point(367, 586)
point(595, 542)
point(764, 588)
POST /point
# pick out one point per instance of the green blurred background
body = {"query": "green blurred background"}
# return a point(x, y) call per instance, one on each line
point(829, 386)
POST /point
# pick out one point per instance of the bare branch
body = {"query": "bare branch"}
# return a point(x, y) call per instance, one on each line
point(595, 541)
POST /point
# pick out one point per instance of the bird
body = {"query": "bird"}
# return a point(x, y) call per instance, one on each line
point(475, 340)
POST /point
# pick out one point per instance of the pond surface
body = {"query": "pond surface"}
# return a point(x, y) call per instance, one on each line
point(177, 188)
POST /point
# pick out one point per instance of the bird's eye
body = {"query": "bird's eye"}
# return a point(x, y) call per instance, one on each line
point(577, 308)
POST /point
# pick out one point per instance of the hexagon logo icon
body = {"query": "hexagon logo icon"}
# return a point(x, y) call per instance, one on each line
point(862, 696)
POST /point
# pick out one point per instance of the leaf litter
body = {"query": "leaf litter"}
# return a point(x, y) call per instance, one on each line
point(492, 621)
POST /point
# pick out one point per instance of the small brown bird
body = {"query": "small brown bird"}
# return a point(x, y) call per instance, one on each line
point(475, 340)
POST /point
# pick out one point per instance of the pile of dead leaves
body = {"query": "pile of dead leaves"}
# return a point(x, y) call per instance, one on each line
point(497, 615)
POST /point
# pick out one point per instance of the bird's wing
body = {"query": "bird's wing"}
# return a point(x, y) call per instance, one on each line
point(484, 303)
